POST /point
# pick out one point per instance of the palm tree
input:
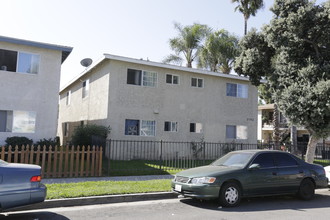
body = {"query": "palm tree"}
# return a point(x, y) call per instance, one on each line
point(188, 43)
point(248, 8)
point(219, 52)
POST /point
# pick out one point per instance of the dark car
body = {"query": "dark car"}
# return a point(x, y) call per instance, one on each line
point(251, 173)
point(20, 185)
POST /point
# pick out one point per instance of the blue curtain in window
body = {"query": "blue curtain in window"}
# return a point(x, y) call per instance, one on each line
point(132, 127)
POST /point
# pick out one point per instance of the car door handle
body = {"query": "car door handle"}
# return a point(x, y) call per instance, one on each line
point(301, 171)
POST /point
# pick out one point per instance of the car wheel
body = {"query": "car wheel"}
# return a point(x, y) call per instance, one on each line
point(230, 194)
point(306, 189)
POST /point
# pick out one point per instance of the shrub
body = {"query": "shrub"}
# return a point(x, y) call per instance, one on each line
point(48, 142)
point(83, 135)
point(19, 141)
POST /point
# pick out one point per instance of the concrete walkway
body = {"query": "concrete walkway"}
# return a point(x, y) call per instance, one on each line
point(117, 178)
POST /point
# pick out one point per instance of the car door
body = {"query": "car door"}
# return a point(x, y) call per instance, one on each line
point(262, 180)
point(289, 172)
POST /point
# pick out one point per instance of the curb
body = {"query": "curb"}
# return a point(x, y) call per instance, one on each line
point(97, 200)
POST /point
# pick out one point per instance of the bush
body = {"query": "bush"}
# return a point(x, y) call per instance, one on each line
point(84, 135)
point(19, 141)
point(49, 142)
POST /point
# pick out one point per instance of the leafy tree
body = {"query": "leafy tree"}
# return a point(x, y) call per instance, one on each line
point(248, 8)
point(293, 54)
point(83, 135)
point(219, 52)
point(188, 43)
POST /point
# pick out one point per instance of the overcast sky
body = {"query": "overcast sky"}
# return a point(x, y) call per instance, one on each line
point(130, 28)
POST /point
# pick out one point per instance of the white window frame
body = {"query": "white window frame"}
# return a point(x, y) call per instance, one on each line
point(197, 82)
point(146, 128)
point(85, 88)
point(145, 78)
point(172, 79)
point(198, 128)
point(172, 126)
point(149, 78)
point(34, 58)
point(242, 90)
point(241, 132)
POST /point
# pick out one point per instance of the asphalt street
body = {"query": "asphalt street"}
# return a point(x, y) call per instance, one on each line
point(279, 207)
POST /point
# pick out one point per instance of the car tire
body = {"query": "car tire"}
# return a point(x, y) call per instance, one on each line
point(306, 189)
point(230, 194)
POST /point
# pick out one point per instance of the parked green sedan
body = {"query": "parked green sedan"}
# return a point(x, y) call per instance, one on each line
point(251, 173)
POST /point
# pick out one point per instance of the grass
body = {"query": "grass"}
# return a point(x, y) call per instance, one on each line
point(99, 188)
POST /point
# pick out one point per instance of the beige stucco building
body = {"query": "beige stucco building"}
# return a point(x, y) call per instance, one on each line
point(144, 100)
point(29, 85)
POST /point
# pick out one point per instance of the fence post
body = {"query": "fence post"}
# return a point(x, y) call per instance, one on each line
point(161, 155)
point(108, 150)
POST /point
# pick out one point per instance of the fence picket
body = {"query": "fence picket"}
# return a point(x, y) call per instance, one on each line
point(59, 161)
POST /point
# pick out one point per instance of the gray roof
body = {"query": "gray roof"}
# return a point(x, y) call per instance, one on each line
point(65, 50)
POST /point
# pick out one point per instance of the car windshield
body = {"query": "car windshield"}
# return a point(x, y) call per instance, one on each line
point(234, 159)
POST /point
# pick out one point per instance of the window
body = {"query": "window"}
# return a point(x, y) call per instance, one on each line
point(265, 160)
point(19, 62)
point(284, 160)
point(28, 63)
point(68, 97)
point(172, 79)
point(66, 129)
point(140, 128)
point(6, 121)
point(148, 128)
point(85, 88)
point(197, 82)
point(17, 121)
point(24, 121)
point(139, 77)
point(8, 60)
point(237, 90)
point(196, 127)
point(171, 126)
point(236, 132)
point(134, 77)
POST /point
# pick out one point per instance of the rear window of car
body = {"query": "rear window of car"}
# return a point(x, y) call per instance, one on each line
point(284, 160)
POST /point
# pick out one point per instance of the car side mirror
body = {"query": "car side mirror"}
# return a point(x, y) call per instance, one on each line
point(254, 166)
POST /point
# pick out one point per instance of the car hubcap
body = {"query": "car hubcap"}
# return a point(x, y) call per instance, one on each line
point(231, 195)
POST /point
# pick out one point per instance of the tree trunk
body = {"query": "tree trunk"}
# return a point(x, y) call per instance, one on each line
point(276, 132)
point(245, 26)
point(294, 147)
point(310, 154)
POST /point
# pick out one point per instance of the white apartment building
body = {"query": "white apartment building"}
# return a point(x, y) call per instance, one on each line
point(29, 87)
point(144, 100)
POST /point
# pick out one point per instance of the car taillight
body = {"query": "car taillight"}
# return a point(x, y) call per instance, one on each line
point(35, 179)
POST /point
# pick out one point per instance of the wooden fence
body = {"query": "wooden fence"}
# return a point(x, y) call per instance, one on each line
point(57, 162)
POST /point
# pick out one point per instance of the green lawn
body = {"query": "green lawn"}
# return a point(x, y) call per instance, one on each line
point(99, 188)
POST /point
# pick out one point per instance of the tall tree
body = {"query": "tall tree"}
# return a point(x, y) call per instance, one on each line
point(248, 8)
point(293, 54)
point(188, 42)
point(219, 52)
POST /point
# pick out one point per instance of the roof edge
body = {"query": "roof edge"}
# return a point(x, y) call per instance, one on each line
point(65, 50)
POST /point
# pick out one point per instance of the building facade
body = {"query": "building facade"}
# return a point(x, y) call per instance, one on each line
point(144, 100)
point(29, 84)
point(266, 128)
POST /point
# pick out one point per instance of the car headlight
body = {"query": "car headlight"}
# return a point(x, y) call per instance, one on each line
point(202, 180)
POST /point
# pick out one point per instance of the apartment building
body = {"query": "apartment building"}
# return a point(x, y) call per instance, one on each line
point(145, 100)
point(29, 85)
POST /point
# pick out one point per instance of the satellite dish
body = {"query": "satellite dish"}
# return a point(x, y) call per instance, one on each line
point(86, 62)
